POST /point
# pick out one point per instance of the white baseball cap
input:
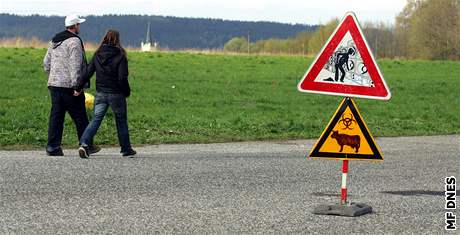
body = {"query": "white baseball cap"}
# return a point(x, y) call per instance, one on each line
point(73, 20)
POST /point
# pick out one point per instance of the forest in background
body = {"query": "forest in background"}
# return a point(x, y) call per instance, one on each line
point(174, 33)
point(424, 29)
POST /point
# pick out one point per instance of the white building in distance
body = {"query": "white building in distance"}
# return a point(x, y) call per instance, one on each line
point(147, 45)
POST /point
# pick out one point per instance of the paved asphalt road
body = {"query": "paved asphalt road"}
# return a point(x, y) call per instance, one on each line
point(255, 187)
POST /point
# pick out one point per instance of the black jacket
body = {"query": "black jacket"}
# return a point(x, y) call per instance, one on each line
point(111, 67)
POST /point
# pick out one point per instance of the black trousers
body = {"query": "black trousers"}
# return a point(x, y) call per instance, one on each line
point(62, 101)
point(339, 67)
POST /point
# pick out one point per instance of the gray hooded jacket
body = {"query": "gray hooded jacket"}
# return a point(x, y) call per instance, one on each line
point(65, 60)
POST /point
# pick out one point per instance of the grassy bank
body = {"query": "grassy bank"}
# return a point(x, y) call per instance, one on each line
point(183, 97)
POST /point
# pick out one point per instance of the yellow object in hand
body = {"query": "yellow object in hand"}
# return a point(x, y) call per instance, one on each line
point(89, 101)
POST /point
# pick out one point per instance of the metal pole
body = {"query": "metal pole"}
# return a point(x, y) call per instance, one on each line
point(344, 182)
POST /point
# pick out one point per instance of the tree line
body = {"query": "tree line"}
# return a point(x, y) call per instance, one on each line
point(170, 32)
point(424, 29)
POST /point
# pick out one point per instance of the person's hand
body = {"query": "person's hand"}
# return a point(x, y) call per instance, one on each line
point(76, 93)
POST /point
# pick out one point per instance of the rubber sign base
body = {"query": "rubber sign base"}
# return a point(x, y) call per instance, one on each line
point(350, 210)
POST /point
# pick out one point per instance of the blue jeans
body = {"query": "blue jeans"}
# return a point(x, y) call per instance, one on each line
point(117, 102)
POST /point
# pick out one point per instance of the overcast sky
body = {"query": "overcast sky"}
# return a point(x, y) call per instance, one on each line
point(286, 11)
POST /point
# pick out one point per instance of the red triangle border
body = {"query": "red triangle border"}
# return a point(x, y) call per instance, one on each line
point(380, 89)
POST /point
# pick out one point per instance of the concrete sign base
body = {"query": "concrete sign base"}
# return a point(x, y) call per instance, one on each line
point(351, 210)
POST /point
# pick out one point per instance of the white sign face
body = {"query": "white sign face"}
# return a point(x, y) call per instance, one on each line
point(345, 66)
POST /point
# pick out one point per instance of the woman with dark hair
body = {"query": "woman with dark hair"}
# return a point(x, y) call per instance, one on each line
point(112, 88)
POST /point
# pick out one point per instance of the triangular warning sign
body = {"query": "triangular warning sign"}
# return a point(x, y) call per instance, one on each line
point(347, 137)
point(345, 66)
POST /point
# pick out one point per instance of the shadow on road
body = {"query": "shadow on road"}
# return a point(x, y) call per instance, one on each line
point(418, 193)
point(321, 194)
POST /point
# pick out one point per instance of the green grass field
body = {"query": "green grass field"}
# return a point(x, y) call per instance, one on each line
point(187, 98)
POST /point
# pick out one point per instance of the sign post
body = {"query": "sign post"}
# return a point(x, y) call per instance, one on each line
point(346, 67)
point(344, 182)
point(346, 138)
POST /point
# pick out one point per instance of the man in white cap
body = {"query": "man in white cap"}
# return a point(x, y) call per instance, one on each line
point(65, 62)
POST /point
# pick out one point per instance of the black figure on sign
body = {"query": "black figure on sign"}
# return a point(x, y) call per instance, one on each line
point(340, 60)
point(353, 141)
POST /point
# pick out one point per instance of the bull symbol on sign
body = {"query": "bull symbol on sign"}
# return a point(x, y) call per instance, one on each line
point(347, 121)
point(354, 141)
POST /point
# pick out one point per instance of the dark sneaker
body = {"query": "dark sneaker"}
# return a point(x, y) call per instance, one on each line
point(93, 149)
point(130, 153)
point(83, 152)
point(57, 152)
